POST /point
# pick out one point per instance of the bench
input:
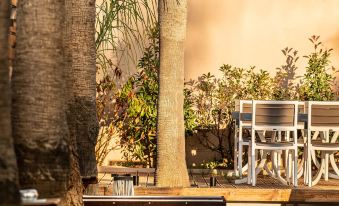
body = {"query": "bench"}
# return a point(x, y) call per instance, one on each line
point(42, 202)
point(154, 200)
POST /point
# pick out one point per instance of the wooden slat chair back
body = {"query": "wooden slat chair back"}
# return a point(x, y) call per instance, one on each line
point(274, 116)
point(325, 115)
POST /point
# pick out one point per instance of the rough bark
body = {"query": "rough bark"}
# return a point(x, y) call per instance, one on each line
point(170, 123)
point(9, 189)
point(81, 78)
point(38, 105)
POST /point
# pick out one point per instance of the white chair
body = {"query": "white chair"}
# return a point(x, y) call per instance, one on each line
point(323, 119)
point(273, 116)
point(243, 122)
point(241, 106)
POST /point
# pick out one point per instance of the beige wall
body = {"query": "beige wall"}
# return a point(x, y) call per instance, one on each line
point(252, 32)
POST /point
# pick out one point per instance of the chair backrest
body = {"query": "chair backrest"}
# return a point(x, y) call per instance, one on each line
point(323, 115)
point(302, 107)
point(243, 106)
point(275, 115)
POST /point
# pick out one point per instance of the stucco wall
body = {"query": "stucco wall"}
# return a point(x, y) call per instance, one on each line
point(252, 32)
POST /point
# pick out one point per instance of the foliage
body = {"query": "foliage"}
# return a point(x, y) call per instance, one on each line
point(317, 82)
point(189, 115)
point(212, 101)
point(138, 97)
point(216, 164)
point(107, 111)
point(259, 85)
point(120, 30)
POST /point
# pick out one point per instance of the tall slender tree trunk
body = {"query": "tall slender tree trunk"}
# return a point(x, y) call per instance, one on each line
point(81, 76)
point(9, 190)
point(38, 105)
point(171, 164)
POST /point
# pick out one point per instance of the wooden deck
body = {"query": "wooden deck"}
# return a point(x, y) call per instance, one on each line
point(267, 190)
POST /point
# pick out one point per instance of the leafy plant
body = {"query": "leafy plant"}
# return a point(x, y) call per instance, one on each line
point(317, 82)
point(216, 164)
point(121, 27)
point(212, 101)
point(121, 30)
point(138, 98)
point(259, 85)
point(107, 111)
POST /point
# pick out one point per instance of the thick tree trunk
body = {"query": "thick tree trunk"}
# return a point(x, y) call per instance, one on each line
point(38, 114)
point(171, 164)
point(9, 189)
point(81, 78)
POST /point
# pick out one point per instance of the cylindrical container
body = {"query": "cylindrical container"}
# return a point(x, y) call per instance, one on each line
point(213, 181)
point(136, 180)
point(123, 186)
point(29, 194)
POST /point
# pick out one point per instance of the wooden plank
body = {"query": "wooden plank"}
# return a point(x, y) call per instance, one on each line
point(245, 193)
point(118, 170)
point(267, 190)
point(40, 202)
point(249, 194)
point(123, 170)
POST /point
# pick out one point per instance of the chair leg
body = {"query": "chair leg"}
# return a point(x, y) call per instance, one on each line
point(295, 171)
point(249, 166)
point(235, 155)
point(326, 165)
point(309, 166)
point(327, 139)
point(274, 162)
point(279, 162)
point(305, 165)
point(240, 160)
point(287, 167)
point(289, 155)
point(236, 149)
point(253, 167)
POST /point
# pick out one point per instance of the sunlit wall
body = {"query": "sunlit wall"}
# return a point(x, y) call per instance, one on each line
point(252, 32)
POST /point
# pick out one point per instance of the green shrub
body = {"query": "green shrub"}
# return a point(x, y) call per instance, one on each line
point(317, 82)
point(212, 101)
point(138, 100)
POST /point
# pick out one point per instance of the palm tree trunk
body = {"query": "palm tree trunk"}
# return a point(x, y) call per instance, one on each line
point(9, 189)
point(38, 105)
point(171, 164)
point(81, 78)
